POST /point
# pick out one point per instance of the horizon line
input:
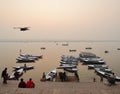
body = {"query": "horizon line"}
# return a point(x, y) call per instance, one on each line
point(55, 40)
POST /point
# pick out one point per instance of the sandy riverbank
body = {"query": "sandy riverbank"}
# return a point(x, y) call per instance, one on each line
point(61, 88)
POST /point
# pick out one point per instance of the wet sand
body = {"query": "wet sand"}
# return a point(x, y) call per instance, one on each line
point(61, 88)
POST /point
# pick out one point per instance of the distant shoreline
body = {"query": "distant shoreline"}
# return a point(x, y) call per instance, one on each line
point(33, 40)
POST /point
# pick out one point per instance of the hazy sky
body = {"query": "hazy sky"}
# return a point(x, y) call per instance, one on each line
point(60, 19)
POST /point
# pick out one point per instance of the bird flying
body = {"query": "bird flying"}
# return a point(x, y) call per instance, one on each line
point(22, 28)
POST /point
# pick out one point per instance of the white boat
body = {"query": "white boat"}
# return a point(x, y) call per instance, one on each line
point(50, 75)
point(12, 76)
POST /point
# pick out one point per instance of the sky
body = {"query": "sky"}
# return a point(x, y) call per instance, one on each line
point(60, 19)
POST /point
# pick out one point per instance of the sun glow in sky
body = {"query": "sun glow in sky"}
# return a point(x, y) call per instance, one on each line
point(60, 19)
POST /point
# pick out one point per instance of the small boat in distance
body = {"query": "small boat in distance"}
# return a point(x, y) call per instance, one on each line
point(43, 48)
point(106, 51)
point(118, 48)
point(65, 44)
point(88, 48)
point(72, 50)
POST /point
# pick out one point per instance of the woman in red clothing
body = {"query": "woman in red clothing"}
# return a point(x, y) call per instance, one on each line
point(30, 84)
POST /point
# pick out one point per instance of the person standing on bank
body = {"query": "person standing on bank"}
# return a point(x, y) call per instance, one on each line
point(4, 76)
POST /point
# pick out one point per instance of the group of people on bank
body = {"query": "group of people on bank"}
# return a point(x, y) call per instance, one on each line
point(22, 83)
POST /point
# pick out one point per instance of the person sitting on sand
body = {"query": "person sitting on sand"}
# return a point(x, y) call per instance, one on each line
point(30, 83)
point(44, 76)
point(22, 84)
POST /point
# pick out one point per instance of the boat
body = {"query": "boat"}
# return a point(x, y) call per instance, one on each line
point(95, 60)
point(65, 44)
point(43, 48)
point(66, 66)
point(12, 76)
point(72, 63)
point(23, 67)
point(84, 55)
point(31, 56)
point(72, 50)
point(51, 75)
point(106, 75)
point(72, 70)
point(103, 69)
point(106, 51)
point(25, 59)
point(88, 48)
point(69, 58)
point(97, 66)
point(118, 48)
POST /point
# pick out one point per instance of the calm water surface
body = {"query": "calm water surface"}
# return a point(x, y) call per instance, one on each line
point(9, 51)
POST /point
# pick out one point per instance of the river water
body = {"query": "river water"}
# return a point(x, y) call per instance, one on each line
point(9, 51)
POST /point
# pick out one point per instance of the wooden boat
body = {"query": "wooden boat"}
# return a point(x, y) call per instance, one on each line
point(103, 69)
point(118, 48)
point(72, 50)
point(51, 75)
point(84, 55)
point(25, 59)
point(23, 67)
point(88, 48)
point(106, 51)
point(72, 70)
point(72, 63)
point(66, 66)
point(65, 44)
point(12, 76)
point(43, 48)
point(95, 60)
point(31, 56)
point(106, 75)
point(97, 66)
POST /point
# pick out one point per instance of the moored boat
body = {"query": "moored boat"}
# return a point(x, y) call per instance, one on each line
point(66, 66)
point(51, 75)
point(31, 56)
point(106, 75)
point(97, 66)
point(72, 70)
point(103, 69)
point(12, 76)
point(25, 59)
point(96, 60)
point(23, 67)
